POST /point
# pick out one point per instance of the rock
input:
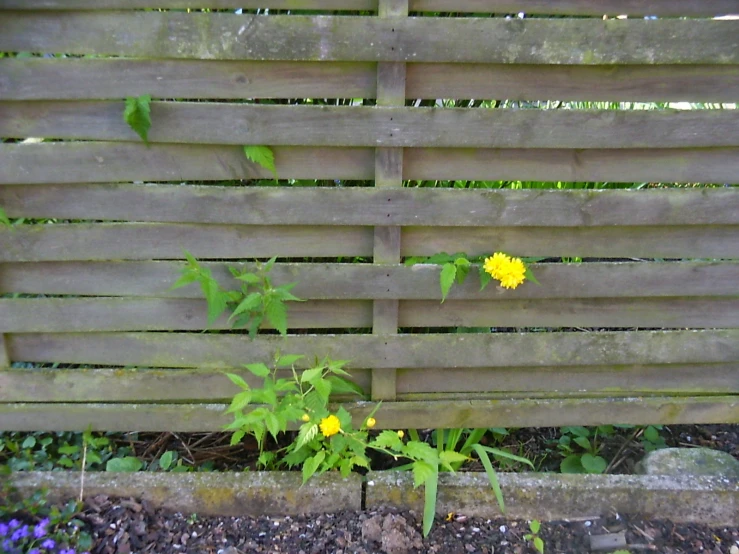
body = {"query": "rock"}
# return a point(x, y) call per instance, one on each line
point(689, 461)
point(392, 532)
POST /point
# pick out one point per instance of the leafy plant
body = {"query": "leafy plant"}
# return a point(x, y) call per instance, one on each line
point(4, 217)
point(586, 460)
point(262, 155)
point(137, 114)
point(326, 439)
point(510, 271)
point(256, 300)
point(651, 439)
point(533, 537)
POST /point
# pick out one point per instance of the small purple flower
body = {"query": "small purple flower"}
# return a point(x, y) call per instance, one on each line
point(48, 544)
point(70, 551)
point(40, 529)
point(19, 534)
point(4, 530)
point(34, 551)
point(14, 523)
point(7, 544)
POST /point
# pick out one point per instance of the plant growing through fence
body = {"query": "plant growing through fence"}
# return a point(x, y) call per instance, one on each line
point(256, 299)
point(508, 270)
point(4, 217)
point(137, 114)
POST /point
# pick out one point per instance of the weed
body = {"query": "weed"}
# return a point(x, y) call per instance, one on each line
point(533, 537)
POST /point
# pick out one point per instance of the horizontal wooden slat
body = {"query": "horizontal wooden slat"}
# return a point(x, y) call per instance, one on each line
point(616, 380)
point(85, 162)
point(369, 206)
point(367, 282)
point(155, 314)
point(151, 385)
point(387, 351)
point(220, 123)
point(349, 38)
point(73, 79)
point(553, 7)
point(131, 385)
point(393, 415)
point(143, 241)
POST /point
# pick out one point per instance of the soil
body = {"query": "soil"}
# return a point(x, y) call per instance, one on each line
point(127, 526)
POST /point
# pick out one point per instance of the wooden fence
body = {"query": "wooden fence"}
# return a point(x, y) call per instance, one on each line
point(648, 332)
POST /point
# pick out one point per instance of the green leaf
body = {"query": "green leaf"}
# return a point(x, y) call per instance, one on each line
point(422, 471)
point(288, 360)
point(260, 370)
point(448, 457)
point(188, 276)
point(417, 450)
point(539, 545)
point(571, 464)
point(283, 293)
point(323, 387)
point(345, 418)
point(429, 500)
point(535, 526)
point(343, 386)
point(240, 401)
point(4, 217)
point(138, 115)
point(237, 436)
point(239, 381)
point(30, 442)
point(249, 278)
point(446, 279)
point(485, 278)
point(651, 434)
point(127, 464)
point(248, 304)
point(217, 300)
point(277, 315)
point(388, 439)
point(69, 449)
point(262, 155)
point(166, 460)
point(311, 465)
point(307, 433)
point(273, 424)
point(582, 442)
point(312, 374)
point(593, 464)
point(492, 475)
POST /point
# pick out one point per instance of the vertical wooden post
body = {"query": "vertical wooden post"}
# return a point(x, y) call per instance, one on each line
point(388, 173)
point(4, 357)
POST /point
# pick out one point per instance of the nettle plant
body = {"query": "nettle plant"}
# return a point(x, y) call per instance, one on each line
point(508, 270)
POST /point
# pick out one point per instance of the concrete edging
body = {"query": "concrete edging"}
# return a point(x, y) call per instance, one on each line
point(543, 496)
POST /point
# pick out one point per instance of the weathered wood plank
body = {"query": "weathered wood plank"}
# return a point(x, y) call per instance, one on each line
point(388, 282)
point(74, 79)
point(408, 351)
point(4, 358)
point(152, 314)
point(222, 123)
point(367, 206)
point(188, 385)
point(79, 162)
point(133, 241)
point(393, 415)
point(551, 7)
point(628, 312)
point(77, 315)
point(143, 241)
point(349, 38)
point(719, 241)
point(615, 380)
point(133, 385)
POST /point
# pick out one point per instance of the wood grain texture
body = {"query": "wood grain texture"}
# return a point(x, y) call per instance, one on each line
point(154, 314)
point(142, 241)
point(189, 385)
point(387, 282)
point(111, 79)
point(350, 38)
point(407, 351)
point(4, 358)
point(151, 314)
point(551, 7)
point(408, 415)
point(85, 162)
point(368, 206)
point(131, 385)
point(238, 124)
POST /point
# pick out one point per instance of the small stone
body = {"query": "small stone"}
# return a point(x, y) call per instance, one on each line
point(469, 548)
point(689, 461)
point(734, 549)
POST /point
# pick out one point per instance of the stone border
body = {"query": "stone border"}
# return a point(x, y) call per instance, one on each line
point(543, 496)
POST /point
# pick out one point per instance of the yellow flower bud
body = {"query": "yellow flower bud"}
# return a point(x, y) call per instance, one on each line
point(305, 418)
point(371, 422)
point(401, 434)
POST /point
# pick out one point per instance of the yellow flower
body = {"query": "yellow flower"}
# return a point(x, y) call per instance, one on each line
point(330, 425)
point(371, 422)
point(401, 434)
point(495, 264)
point(513, 274)
point(305, 418)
